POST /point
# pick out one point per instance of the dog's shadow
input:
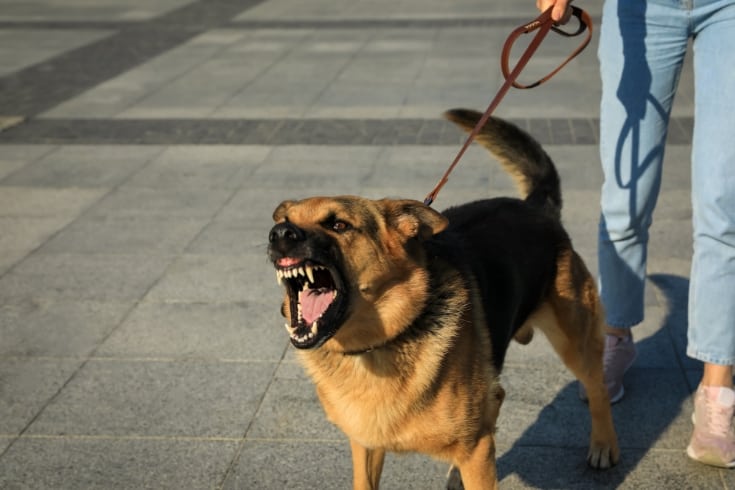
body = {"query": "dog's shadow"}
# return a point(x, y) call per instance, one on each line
point(656, 395)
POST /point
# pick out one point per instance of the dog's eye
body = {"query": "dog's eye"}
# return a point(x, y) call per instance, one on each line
point(335, 224)
point(341, 226)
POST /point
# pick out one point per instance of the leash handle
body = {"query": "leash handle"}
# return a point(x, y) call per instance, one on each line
point(584, 25)
point(543, 24)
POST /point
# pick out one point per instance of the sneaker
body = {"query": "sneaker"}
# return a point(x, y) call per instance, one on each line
point(713, 438)
point(617, 358)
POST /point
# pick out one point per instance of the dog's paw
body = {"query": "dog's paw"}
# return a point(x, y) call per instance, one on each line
point(603, 456)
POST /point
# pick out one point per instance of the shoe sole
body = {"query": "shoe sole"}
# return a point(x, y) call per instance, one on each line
point(709, 459)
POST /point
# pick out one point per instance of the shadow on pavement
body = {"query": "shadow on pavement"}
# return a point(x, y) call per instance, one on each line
point(551, 452)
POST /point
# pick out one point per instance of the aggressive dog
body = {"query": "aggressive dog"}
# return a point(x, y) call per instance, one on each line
point(402, 315)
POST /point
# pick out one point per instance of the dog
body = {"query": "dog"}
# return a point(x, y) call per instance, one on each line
point(402, 315)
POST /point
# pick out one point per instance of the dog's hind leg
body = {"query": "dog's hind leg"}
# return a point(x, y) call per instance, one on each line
point(367, 465)
point(571, 318)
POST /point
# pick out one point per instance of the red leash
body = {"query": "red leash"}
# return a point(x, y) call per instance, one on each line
point(543, 24)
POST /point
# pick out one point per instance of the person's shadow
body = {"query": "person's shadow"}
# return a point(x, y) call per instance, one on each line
point(655, 397)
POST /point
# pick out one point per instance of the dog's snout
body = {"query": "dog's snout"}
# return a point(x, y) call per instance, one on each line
point(286, 232)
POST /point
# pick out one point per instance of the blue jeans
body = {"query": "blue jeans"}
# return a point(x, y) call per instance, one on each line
point(642, 48)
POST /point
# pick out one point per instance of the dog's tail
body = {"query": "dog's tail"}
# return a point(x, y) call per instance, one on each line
point(520, 155)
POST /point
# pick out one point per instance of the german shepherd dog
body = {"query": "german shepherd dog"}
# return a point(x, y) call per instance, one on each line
point(402, 315)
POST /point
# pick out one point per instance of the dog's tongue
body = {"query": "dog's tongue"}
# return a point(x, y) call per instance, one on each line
point(314, 302)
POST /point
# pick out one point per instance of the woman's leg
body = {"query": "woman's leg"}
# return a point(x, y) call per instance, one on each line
point(642, 48)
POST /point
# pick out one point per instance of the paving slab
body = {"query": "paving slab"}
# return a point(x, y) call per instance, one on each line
point(235, 332)
point(28, 386)
point(157, 398)
point(79, 327)
point(89, 462)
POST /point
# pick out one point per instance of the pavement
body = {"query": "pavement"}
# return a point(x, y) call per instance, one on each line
point(143, 147)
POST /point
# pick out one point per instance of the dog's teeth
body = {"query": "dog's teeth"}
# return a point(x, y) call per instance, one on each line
point(314, 328)
point(279, 278)
point(310, 273)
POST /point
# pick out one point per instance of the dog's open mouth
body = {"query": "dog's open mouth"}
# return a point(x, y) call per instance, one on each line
point(316, 300)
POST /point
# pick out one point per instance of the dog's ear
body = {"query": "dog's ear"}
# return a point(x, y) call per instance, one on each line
point(413, 219)
point(280, 211)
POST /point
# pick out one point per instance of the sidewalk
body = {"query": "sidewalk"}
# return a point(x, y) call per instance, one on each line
point(143, 147)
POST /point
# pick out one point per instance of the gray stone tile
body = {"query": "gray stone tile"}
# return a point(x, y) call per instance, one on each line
point(342, 99)
point(69, 463)
point(80, 167)
point(14, 157)
point(422, 167)
point(316, 168)
point(126, 235)
point(57, 328)
point(9, 259)
point(432, 98)
point(301, 465)
point(196, 92)
point(525, 467)
point(542, 408)
point(167, 399)
point(295, 465)
point(75, 277)
point(665, 393)
point(290, 368)
point(671, 239)
point(217, 279)
point(45, 203)
point(673, 291)
point(270, 100)
point(20, 48)
point(223, 331)
point(22, 235)
point(27, 386)
point(578, 166)
point(234, 237)
point(111, 97)
point(385, 62)
point(291, 410)
point(104, 10)
point(170, 202)
point(201, 167)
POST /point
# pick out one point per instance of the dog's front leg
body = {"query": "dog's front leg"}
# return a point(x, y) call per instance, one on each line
point(478, 471)
point(367, 465)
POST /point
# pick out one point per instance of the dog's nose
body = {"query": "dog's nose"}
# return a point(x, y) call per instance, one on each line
point(286, 232)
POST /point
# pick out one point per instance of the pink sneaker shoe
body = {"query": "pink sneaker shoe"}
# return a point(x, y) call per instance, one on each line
point(617, 358)
point(713, 438)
